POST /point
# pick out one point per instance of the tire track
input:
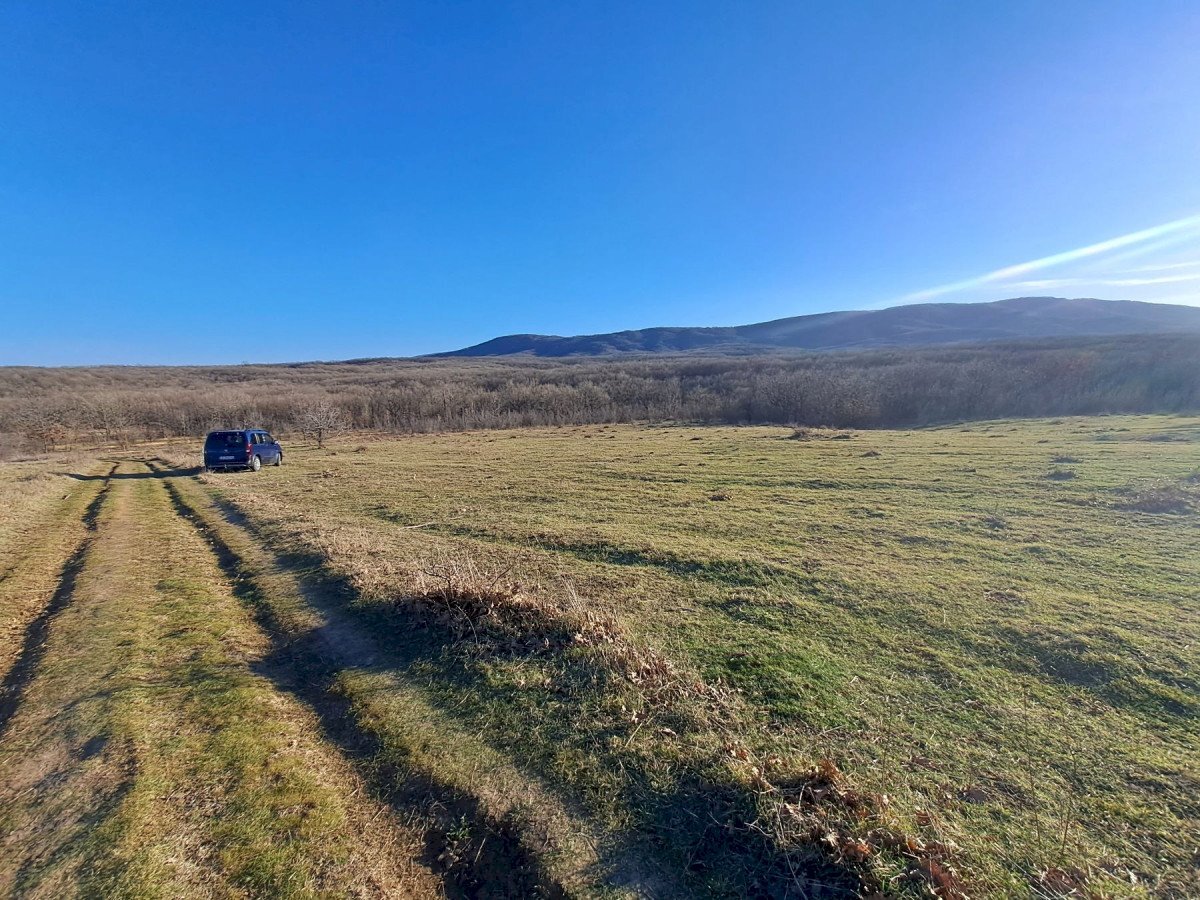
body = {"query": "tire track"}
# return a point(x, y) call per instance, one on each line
point(33, 644)
point(495, 863)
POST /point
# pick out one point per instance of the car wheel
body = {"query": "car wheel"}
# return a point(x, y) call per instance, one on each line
point(255, 464)
point(279, 459)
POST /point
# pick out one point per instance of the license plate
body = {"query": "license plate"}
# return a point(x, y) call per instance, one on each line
point(226, 457)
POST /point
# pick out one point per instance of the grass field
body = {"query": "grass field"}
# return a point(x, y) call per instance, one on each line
point(615, 660)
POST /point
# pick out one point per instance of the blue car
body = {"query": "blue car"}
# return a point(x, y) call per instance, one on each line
point(248, 448)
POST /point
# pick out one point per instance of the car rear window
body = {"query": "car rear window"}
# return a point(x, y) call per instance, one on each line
point(225, 439)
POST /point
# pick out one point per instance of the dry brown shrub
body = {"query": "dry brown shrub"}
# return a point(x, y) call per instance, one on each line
point(1163, 499)
point(820, 808)
point(493, 611)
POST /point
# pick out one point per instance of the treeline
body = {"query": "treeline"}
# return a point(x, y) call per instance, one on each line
point(878, 388)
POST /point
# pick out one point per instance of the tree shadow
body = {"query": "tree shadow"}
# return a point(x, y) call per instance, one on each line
point(486, 859)
point(697, 835)
point(135, 476)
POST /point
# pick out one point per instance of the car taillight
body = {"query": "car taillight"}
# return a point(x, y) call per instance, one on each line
point(247, 448)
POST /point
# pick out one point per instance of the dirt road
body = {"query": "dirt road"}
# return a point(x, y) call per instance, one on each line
point(149, 745)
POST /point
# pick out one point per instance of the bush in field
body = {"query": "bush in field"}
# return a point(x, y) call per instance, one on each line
point(322, 421)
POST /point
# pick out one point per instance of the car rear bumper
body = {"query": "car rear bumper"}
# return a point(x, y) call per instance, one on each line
point(239, 461)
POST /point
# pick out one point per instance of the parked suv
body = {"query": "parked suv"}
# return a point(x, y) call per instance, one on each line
point(247, 448)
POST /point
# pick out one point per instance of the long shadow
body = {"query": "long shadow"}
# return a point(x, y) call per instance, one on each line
point(737, 573)
point(489, 859)
point(1108, 667)
point(703, 826)
point(33, 645)
point(135, 476)
point(709, 821)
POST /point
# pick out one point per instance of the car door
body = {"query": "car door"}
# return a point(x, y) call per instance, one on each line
point(272, 446)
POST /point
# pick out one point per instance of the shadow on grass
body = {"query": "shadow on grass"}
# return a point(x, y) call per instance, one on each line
point(484, 860)
point(1112, 668)
point(33, 642)
point(135, 476)
point(735, 573)
point(698, 834)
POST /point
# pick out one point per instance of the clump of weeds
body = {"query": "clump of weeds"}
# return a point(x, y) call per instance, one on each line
point(1167, 498)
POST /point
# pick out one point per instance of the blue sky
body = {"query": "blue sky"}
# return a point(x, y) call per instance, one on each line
point(226, 182)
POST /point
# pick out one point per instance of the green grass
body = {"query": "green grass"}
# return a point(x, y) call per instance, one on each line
point(40, 526)
point(153, 756)
point(1009, 654)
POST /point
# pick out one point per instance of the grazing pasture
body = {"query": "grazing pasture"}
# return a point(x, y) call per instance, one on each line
point(614, 659)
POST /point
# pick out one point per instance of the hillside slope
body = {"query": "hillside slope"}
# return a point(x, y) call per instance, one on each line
point(920, 324)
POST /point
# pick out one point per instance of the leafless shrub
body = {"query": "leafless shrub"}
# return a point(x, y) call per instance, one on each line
point(323, 420)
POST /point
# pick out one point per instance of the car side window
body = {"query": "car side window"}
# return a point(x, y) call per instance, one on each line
point(267, 439)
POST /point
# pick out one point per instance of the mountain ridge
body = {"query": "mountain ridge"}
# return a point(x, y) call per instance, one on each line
point(912, 325)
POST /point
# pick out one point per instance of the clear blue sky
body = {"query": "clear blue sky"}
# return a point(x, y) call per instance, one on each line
point(219, 182)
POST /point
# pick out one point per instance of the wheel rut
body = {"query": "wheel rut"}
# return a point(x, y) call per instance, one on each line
point(493, 861)
point(33, 643)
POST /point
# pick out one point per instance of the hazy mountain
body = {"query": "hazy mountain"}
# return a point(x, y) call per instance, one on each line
point(925, 323)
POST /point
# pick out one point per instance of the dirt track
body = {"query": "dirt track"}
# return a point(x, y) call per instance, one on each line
point(155, 741)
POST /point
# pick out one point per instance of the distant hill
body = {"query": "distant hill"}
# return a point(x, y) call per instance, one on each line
point(918, 324)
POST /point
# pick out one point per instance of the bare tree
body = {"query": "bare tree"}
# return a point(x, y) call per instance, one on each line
point(110, 414)
point(323, 420)
point(893, 387)
point(39, 424)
